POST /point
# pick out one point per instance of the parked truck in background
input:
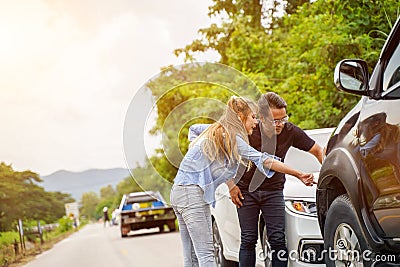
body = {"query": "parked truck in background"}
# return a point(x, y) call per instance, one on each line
point(141, 210)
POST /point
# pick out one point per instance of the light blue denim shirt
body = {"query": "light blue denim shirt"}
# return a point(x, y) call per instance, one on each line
point(197, 169)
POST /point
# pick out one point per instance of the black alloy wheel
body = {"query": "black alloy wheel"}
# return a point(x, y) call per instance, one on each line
point(344, 242)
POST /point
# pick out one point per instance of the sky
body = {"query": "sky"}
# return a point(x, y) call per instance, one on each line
point(70, 69)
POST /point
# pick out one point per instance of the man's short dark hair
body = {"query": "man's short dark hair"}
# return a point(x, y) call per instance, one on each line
point(270, 100)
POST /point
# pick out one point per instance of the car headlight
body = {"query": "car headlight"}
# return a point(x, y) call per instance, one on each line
point(302, 207)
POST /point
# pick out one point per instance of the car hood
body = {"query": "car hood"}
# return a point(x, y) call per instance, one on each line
point(295, 189)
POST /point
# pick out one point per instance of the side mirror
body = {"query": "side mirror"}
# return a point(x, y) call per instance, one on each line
point(351, 76)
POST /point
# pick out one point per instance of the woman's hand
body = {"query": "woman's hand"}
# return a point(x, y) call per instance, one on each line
point(306, 178)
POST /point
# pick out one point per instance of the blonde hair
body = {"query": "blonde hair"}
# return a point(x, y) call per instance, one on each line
point(220, 138)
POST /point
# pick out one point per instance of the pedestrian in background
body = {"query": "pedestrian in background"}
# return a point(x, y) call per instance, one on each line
point(106, 218)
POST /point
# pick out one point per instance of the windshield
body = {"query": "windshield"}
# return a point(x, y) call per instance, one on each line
point(141, 199)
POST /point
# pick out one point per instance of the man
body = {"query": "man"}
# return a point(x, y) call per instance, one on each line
point(106, 218)
point(254, 192)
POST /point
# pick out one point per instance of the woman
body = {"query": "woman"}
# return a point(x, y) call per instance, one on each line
point(213, 158)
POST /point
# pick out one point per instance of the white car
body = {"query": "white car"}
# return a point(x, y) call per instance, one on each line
point(304, 240)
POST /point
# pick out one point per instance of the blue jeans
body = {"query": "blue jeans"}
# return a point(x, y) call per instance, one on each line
point(194, 218)
point(272, 206)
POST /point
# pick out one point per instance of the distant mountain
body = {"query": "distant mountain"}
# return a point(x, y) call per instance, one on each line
point(77, 183)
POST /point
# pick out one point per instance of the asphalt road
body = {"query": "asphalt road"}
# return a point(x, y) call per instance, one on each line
point(95, 245)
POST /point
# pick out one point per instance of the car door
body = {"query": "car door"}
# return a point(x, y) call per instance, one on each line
point(227, 219)
point(378, 141)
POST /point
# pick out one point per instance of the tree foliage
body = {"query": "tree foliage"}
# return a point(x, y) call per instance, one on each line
point(22, 198)
point(289, 47)
point(294, 54)
point(89, 204)
point(107, 192)
point(188, 94)
point(260, 15)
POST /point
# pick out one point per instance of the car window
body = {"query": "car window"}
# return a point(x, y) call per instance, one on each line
point(392, 73)
point(141, 199)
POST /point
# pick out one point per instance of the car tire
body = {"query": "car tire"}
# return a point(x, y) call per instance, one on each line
point(266, 248)
point(343, 239)
point(122, 233)
point(219, 249)
point(171, 226)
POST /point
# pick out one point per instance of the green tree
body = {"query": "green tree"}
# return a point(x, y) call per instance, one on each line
point(312, 40)
point(294, 54)
point(287, 47)
point(89, 202)
point(126, 186)
point(107, 192)
point(188, 94)
point(258, 15)
point(22, 198)
point(108, 198)
point(144, 178)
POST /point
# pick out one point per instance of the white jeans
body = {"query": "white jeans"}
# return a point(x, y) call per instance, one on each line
point(194, 218)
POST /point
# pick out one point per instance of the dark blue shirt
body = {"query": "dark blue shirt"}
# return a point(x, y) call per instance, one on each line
point(277, 145)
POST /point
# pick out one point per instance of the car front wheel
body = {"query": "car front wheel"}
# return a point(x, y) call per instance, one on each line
point(219, 249)
point(171, 226)
point(344, 242)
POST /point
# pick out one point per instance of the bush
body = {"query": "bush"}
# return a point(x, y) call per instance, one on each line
point(6, 248)
point(7, 238)
point(65, 224)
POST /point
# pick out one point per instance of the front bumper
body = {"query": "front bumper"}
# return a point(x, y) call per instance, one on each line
point(304, 240)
